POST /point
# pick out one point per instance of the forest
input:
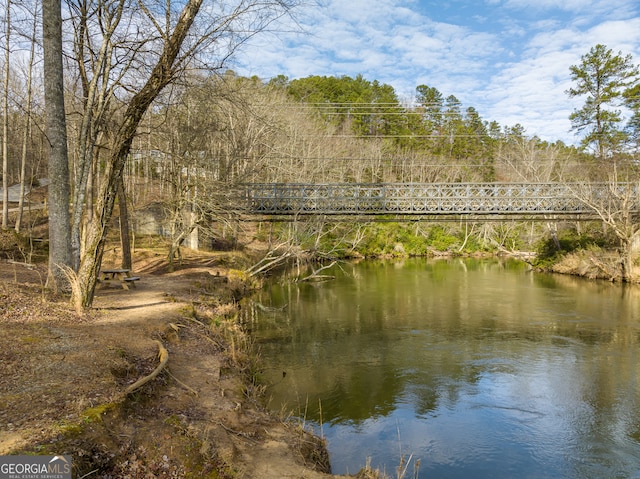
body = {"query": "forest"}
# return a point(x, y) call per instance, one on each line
point(160, 122)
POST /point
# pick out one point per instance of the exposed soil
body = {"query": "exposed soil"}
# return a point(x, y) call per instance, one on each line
point(63, 379)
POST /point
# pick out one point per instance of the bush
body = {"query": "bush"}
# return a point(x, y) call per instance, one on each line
point(403, 239)
point(570, 241)
point(442, 240)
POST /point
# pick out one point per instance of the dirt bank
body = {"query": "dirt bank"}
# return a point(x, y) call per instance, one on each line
point(63, 380)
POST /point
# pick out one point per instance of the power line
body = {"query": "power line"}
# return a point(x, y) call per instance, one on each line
point(538, 161)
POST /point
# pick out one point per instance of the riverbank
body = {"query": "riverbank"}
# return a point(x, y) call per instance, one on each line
point(64, 379)
point(592, 264)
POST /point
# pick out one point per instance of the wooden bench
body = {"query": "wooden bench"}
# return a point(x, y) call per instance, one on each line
point(123, 276)
point(130, 280)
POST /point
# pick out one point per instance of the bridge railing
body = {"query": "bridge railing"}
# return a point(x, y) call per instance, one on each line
point(427, 198)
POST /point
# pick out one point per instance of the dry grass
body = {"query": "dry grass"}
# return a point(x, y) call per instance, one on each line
point(407, 469)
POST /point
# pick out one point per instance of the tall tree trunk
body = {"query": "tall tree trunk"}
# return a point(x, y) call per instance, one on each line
point(125, 239)
point(160, 77)
point(27, 127)
point(5, 123)
point(56, 129)
point(626, 264)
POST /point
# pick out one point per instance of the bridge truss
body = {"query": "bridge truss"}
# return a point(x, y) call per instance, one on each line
point(434, 201)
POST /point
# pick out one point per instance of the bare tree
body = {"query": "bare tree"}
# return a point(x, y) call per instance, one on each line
point(176, 46)
point(27, 124)
point(161, 76)
point(94, 64)
point(214, 132)
point(530, 160)
point(617, 204)
point(5, 119)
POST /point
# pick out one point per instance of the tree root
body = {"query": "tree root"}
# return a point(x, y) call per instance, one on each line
point(163, 354)
point(188, 388)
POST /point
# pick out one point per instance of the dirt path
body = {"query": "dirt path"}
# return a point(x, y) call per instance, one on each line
point(62, 383)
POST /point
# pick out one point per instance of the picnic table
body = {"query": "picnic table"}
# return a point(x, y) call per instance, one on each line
point(123, 276)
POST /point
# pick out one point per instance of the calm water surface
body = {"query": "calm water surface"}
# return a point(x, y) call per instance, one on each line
point(477, 368)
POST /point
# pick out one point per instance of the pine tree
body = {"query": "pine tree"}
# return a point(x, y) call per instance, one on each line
point(603, 77)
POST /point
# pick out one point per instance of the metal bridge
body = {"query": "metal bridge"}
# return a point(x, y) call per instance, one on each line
point(436, 201)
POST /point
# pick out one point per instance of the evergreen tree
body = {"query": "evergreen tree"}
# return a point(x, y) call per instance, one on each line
point(365, 108)
point(430, 104)
point(453, 126)
point(632, 101)
point(603, 77)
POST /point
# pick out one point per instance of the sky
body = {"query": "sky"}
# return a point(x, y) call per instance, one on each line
point(509, 59)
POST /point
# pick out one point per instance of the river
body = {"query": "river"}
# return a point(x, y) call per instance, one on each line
point(475, 368)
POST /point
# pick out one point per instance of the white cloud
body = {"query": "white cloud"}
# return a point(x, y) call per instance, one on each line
point(512, 65)
point(532, 91)
point(596, 7)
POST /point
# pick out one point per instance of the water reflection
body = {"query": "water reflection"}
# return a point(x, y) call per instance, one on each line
point(479, 368)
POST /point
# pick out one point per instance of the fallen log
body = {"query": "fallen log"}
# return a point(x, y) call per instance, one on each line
point(315, 276)
point(270, 309)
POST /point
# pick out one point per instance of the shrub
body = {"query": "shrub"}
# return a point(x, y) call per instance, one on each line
point(569, 241)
